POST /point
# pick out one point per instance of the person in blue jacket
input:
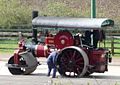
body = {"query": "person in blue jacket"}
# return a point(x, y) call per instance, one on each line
point(51, 62)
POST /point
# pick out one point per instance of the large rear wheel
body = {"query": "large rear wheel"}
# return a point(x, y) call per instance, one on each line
point(72, 62)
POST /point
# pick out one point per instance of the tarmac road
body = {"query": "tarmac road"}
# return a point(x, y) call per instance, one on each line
point(112, 77)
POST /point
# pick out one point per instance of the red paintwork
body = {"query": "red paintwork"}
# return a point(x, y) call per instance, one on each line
point(21, 48)
point(16, 57)
point(95, 56)
point(63, 39)
point(97, 59)
point(41, 51)
point(49, 41)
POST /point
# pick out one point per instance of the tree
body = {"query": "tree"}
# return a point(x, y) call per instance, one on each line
point(60, 9)
point(13, 12)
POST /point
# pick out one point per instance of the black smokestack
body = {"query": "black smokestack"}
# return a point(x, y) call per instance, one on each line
point(34, 14)
point(34, 30)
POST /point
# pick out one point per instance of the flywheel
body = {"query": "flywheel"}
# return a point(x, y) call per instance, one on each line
point(63, 39)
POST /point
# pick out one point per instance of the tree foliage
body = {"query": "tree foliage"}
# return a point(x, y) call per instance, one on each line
point(60, 9)
point(13, 12)
point(16, 12)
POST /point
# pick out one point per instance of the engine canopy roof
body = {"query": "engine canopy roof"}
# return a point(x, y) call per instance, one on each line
point(68, 22)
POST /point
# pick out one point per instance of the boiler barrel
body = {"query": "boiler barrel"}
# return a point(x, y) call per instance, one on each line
point(39, 50)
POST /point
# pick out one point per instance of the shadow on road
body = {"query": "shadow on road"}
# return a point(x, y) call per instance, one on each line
point(103, 77)
point(38, 74)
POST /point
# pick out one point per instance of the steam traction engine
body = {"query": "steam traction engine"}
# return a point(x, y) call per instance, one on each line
point(76, 57)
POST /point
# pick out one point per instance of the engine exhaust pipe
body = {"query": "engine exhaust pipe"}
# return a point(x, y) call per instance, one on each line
point(34, 30)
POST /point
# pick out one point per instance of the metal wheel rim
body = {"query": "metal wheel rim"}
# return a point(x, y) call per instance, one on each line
point(14, 71)
point(19, 71)
point(66, 61)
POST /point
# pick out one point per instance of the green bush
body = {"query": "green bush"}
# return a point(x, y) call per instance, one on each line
point(13, 12)
point(60, 9)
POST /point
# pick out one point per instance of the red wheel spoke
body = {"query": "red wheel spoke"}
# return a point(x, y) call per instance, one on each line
point(80, 64)
point(70, 73)
point(67, 56)
point(63, 60)
point(74, 54)
point(77, 66)
point(79, 60)
point(64, 65)
point(78, 72)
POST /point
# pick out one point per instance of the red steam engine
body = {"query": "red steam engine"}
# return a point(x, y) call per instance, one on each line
point(79, 55)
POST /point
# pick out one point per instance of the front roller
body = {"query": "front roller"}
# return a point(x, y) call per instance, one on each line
point(27, 64)
point(72, 62)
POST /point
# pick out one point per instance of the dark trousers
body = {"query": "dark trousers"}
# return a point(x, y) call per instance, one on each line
point(50, 67)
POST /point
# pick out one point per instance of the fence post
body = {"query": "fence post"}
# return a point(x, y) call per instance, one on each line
point(20, 36)
point(112, 45)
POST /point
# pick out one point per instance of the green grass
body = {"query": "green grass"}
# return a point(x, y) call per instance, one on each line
point(8, 46)
point(116, 44)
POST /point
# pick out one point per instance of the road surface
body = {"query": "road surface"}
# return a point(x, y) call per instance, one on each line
point(38, 77)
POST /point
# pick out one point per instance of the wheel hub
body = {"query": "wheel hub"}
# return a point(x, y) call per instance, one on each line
point(71, 63)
